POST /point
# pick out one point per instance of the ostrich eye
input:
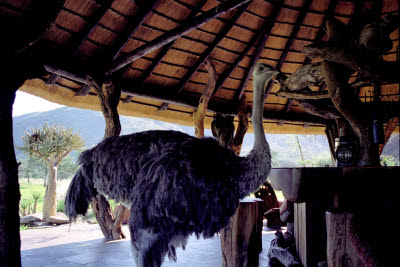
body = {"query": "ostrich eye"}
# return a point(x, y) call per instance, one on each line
point(260, 68)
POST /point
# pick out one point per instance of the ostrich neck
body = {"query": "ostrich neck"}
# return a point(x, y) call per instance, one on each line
point(257, 114)
point(257, 164)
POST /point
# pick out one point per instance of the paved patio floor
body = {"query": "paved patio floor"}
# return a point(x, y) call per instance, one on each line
point(84, 245)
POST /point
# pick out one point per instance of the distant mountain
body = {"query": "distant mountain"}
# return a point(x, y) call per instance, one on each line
point(91, 125)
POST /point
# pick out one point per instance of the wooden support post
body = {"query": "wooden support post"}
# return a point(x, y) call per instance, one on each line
point(9, 187)
point(241, 239)
point(109, 95)
point(340, 251)
point(84, 90)
point(310, 230)
point(200, 113)
point(127, 99)
point(15, 68)
point(243, 126)
point(52, 79)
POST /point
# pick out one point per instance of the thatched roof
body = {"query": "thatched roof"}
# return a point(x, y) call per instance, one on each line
point(165, 79)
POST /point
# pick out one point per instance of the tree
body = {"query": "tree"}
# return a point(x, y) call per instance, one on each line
point(51, 144)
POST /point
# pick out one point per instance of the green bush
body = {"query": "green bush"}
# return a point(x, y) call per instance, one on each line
point(60, 206)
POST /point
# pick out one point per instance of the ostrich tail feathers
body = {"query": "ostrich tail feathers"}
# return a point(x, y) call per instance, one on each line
point(80, 191)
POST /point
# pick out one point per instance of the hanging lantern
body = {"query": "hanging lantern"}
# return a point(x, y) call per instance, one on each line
point(345, 152)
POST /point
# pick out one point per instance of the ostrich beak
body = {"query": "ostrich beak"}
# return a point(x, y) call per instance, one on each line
point(273, 74)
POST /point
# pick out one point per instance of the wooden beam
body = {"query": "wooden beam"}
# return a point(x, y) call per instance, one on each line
point(189, 101)
point(84, 90)
point(91, 24)
point(211, 47)
point(263, 38)
point(174, 34)
point(289, 43)
point(66, 74)
point(166, 48)
point(52, 79)
point(189, 74)
point(138, 19)
point(163, 107)
point(127, 99)
point(287, 108)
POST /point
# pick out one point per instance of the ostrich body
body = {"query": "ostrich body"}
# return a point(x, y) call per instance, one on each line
point(173, 183)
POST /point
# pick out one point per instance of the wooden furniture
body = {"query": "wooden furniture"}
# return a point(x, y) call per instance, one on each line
point(241, 240)
point(338, 192)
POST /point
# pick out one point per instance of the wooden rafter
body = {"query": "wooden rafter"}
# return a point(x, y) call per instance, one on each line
point(265, 32)
point(91, 24)
point(210, 48)
point(84, 90)
point(296, 28)
point(52, 79)
point(174, 34)
point(138, 19)
point(189, 74)
point(191, 101)
point(166, 48)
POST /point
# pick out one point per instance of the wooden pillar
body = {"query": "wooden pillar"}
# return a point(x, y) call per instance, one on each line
point(109, 95)
point(243, 125)
point(10, 242)
point(241, 240)
point(200, 113)
point(340, 250)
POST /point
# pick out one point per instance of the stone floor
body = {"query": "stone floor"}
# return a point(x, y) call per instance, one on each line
point(84, 245)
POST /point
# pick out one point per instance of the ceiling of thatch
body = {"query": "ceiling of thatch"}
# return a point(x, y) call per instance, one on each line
point(166, 43)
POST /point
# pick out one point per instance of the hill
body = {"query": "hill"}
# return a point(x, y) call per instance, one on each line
point(91, 125)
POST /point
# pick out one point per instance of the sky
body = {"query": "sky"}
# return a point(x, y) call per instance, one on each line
point(26, 103)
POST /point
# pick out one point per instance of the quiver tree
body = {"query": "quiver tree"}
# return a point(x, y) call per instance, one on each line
point(51, 144)
point(356, 47)
point(36, 195)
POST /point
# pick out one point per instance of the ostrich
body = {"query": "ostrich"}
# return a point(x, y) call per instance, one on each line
point(174, 184)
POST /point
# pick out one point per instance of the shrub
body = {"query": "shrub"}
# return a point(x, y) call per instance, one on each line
point(60, 206)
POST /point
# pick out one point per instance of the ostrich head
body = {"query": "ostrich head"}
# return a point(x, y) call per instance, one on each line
point(263, 73)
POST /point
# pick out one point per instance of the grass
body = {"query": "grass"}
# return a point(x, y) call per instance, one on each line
point(24, 227)
point(26, 190)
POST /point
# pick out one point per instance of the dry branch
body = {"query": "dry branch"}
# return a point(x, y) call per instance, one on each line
point(243, 126)
point(307, 75)
point(374, 37)
point(356, 60)
point(303, 94)
point(322, 108)
point(200, 113)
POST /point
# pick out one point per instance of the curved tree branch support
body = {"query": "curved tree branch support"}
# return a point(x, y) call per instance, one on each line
point(109, 95)
point(200, 112)
point(243, 125)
